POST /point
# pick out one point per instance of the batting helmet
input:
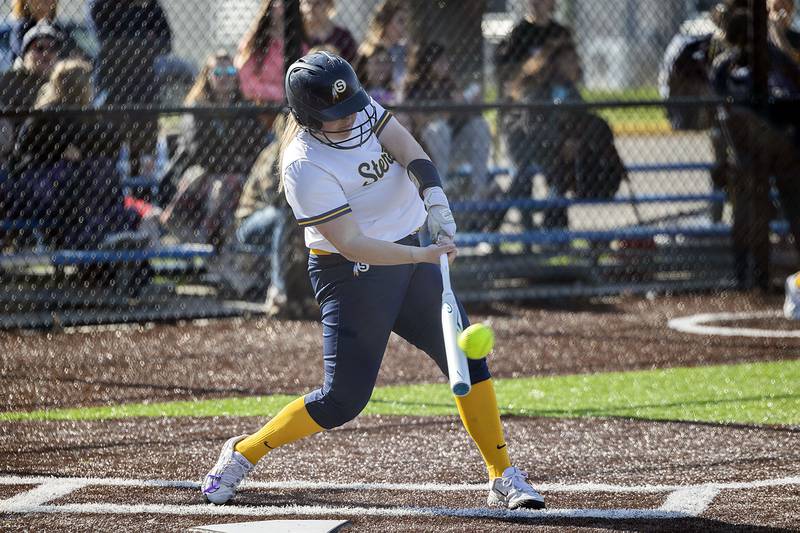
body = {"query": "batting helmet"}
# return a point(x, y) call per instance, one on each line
point(323, 87)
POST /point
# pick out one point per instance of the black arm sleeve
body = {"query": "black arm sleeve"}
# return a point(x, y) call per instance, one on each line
point(424, 173)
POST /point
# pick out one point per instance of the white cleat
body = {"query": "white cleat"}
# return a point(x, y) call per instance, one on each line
point(513, 491)
point(221, 483)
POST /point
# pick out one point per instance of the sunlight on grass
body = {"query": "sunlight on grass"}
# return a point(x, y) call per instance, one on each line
point(756, 393)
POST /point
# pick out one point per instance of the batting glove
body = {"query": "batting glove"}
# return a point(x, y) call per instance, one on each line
point(441, 224)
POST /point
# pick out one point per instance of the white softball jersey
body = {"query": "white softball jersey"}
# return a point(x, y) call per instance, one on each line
point(323, 183)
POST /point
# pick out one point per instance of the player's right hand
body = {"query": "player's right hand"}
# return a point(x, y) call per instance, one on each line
point(432, 253)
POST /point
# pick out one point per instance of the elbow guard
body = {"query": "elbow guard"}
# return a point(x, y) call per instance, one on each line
point(424, 174)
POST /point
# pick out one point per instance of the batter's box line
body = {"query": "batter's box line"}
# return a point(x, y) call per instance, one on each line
point(686, 501)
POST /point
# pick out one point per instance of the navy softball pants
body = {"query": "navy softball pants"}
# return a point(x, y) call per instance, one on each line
point(361, 305)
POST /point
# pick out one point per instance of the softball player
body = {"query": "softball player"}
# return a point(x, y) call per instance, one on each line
point(361, 186)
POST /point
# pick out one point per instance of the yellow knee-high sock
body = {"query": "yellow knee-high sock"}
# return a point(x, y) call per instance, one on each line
point(481, 418)
point(291, 424)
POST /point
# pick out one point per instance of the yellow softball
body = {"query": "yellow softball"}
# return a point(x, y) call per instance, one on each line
point(476, 341)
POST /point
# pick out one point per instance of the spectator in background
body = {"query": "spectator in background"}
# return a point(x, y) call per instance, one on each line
point(763, 145)
point(276, 260)
point(27, 14)
point(536, 31)
point(261, 55)
point(458, 144)
point(20, 85)
point(574, 149)
point(218, 152)
point(387, 28)
point(64, 167)
point(132, 34)
point(375, 72)
point(321, 31)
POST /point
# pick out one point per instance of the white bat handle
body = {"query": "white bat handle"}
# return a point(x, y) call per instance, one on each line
point(444, 265)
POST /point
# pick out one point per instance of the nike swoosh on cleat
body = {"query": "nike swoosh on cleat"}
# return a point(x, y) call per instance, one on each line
point(501, 446)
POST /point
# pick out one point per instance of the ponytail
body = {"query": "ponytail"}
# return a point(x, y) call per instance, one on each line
point(290, 130)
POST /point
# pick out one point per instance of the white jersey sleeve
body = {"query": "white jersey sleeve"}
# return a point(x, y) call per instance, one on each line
point(314, 195)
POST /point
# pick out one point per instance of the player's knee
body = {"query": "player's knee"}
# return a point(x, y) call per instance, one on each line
point(335, 410)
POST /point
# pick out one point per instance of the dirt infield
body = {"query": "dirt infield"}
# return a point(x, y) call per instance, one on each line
point(239, 357)
point(559, 454)
point(669, 476)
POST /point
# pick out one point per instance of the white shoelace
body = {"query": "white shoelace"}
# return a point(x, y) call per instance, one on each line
point(518, 480)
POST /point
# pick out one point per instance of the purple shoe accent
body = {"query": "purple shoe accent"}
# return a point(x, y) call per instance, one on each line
point(214, 484)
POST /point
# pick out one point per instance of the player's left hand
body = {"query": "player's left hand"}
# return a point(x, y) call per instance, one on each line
point(451, 254)
point(441, 224)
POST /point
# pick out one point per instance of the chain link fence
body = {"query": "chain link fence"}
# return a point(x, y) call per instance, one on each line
point(589, 147)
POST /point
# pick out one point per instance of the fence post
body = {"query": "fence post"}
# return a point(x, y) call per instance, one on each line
point(760, 181)
point(292, 34)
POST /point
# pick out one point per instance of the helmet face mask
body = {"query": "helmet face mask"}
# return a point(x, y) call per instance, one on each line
point(347, 139)
point(323, 87)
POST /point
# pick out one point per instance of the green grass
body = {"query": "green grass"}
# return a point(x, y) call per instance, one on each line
point(757, 393)
point(631, 120)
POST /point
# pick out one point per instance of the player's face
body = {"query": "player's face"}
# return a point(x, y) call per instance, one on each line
point(339, 129)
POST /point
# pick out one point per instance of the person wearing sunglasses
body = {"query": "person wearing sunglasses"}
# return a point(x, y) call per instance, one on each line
point(215, 153)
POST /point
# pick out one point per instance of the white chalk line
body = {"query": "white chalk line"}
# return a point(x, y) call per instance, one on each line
point(411, 487)
point(695, 324)
point(682, 502)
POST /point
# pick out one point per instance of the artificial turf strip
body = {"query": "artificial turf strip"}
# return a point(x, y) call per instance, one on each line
point(755, 393)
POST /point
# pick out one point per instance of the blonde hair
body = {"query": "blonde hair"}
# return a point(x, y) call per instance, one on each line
point(201, 93)
point(21, 10)
point(290, 128)
point(70, 85)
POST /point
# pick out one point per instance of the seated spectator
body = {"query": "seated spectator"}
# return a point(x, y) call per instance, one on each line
point(261, 55)
point(270, 259)
point(387, 28)
point(763, 145)
point(537, 30)
point(132, 35)
point(27, 14)
point(456, 143)
point(64, 168)
point(574, 149)
point(321, 31)
point(375, 72)
point(217, 152)
point(19, 86)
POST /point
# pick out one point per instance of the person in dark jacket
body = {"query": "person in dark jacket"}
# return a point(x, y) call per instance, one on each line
point(764, 144)
point(217, 152)
point(536, 31)
point(64, 168)
point(132, 34)
point(20, 85)
point(574, 149)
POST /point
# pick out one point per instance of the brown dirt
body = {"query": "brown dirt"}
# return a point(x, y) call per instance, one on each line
point(237, 357)
point(394, 449)
point(242, 357)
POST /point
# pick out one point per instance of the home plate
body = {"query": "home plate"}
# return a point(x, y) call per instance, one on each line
point(278, 526)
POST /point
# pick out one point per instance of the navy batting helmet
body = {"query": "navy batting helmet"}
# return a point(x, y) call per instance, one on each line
point(323, 87)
